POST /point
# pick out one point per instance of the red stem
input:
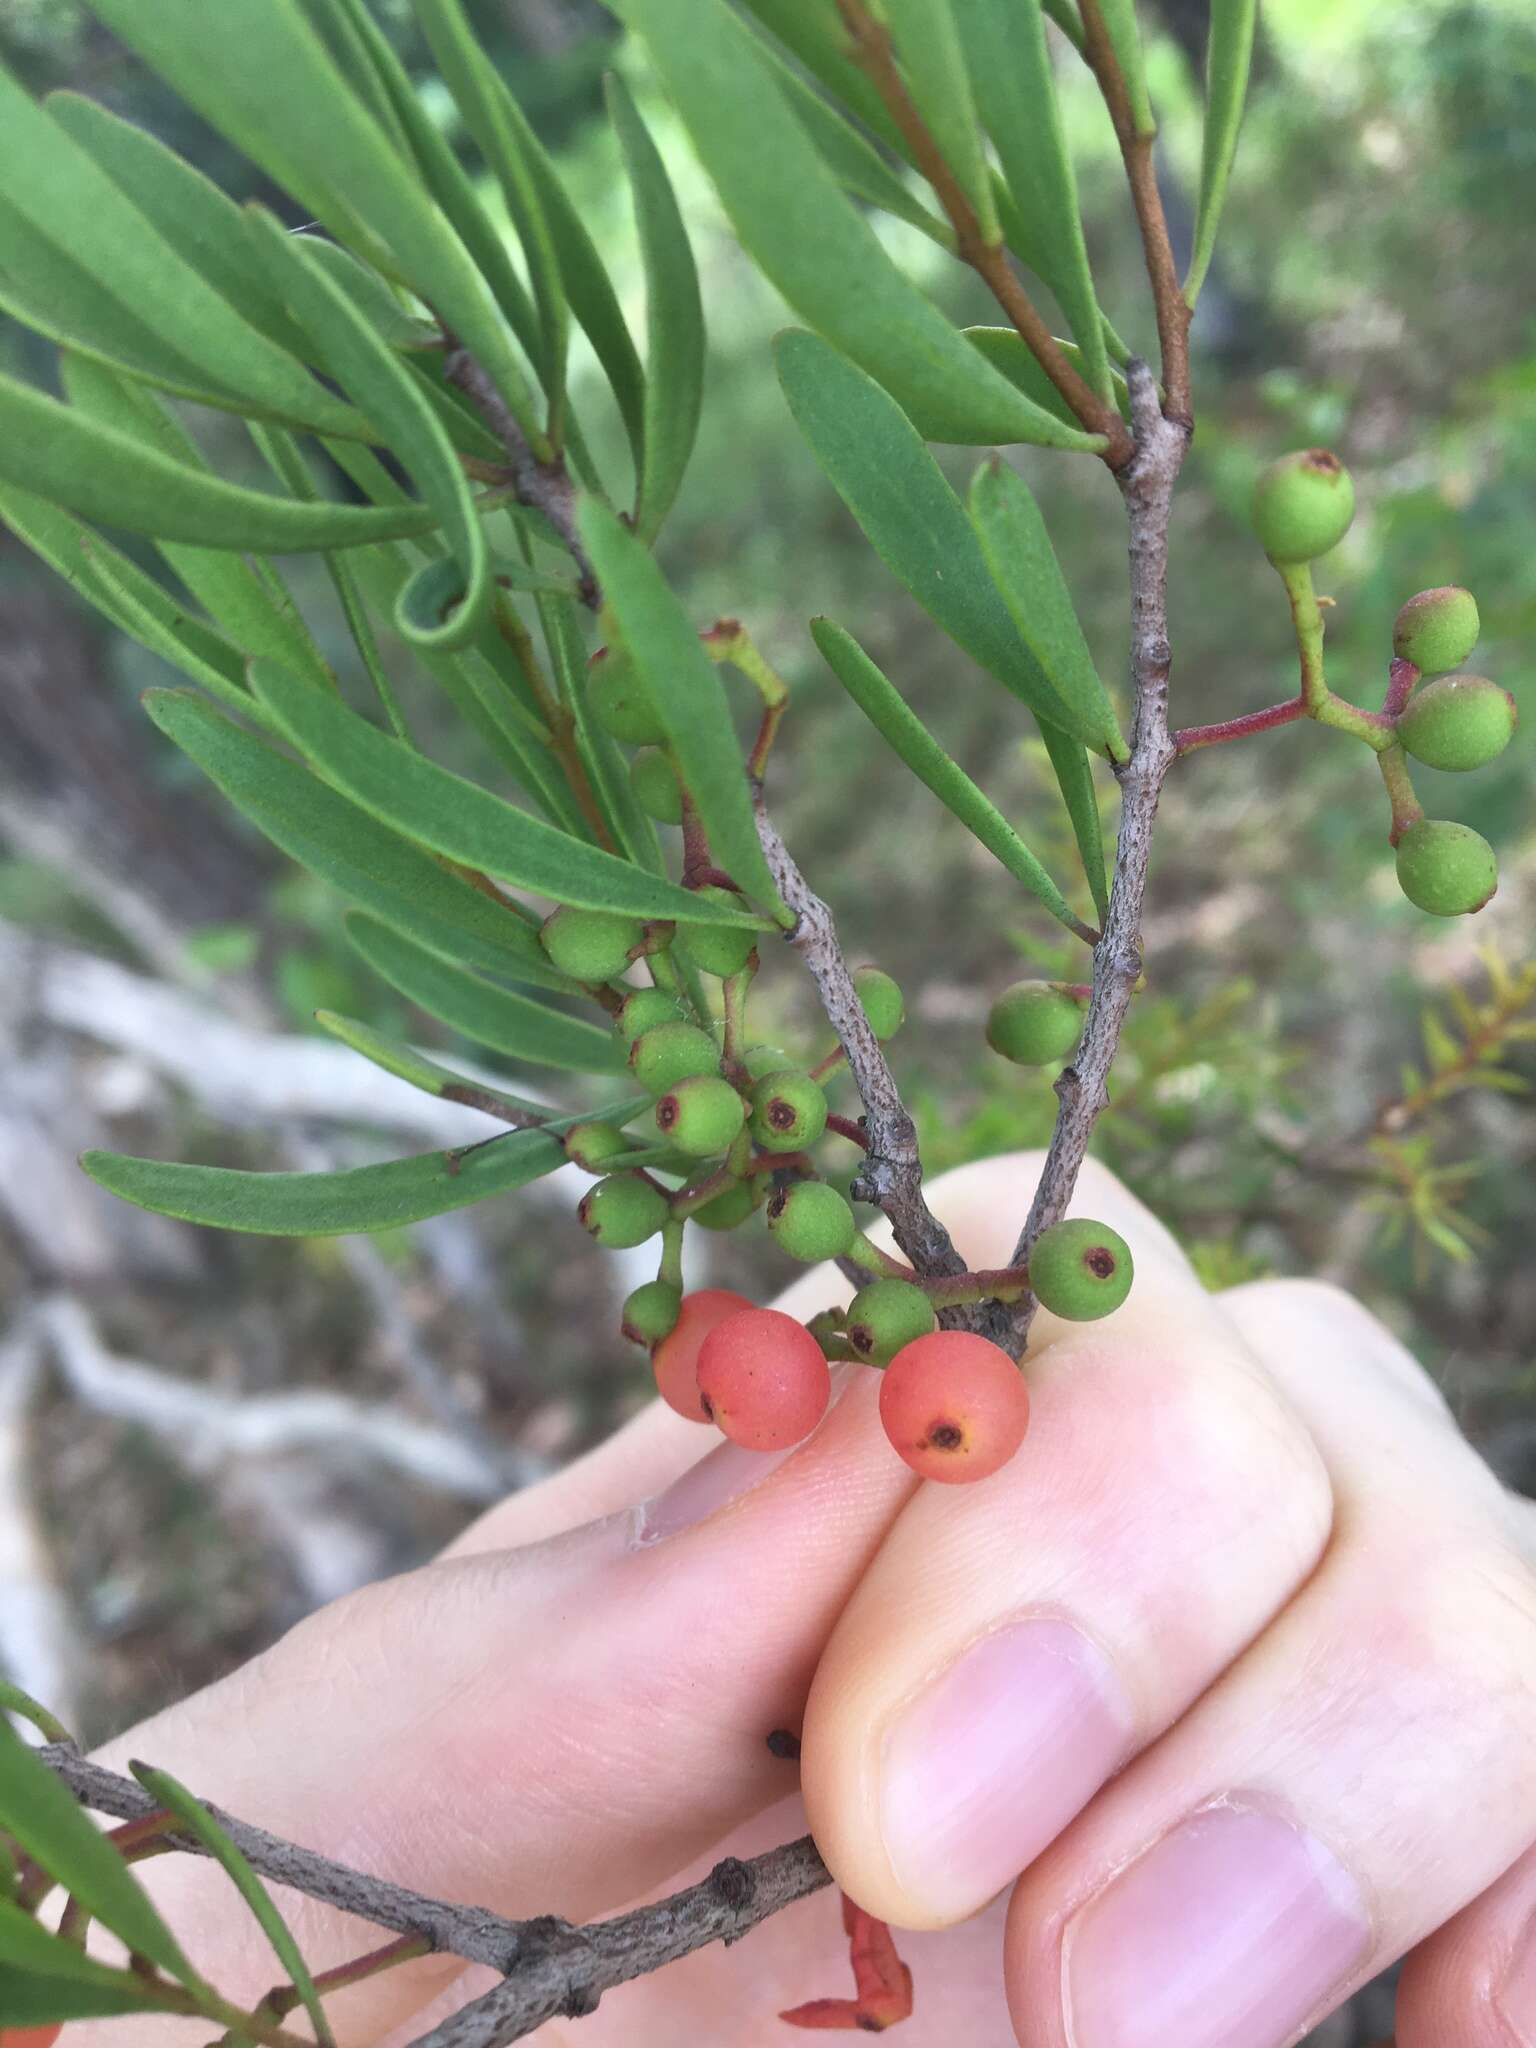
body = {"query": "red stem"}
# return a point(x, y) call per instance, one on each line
point(845, 1127)
point(1194, 736)
point(1400, 688)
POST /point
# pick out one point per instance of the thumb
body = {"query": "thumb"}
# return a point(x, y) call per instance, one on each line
point(556, 1728)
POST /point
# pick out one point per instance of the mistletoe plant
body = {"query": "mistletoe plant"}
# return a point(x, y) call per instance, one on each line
point(604, 902)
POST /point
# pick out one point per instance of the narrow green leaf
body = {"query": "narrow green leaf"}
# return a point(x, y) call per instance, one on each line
point(367, 292)
point(879, 466)
point(1016, 92)
point(199, 1822)
point(1006, 350)
point(365, 366)
point(1074, 775)
point(929, 48)
point(1024, 567)
point(67, 197)
point(606, 766)
point(344, 846)
point(460, 820)
point(811, 241)
point(484, 104)
point(26, 1945)
point(448, 183)
point(816, 35)
point(689, 696)
point(475, 1008)
point(53, 450)
point(674, 384)
point(895, 721)
point(409, 1065)
point(224, 583)
point(362, 1198)
point(121, 590)
point(1228, 56)
point(1119, 18)
point(31, 1998)
point(288, 107)
point(853, 160)
point(42, 1817)
point(14, 1701)
point(199, 221)
point(1064, 14)
point(43, 288)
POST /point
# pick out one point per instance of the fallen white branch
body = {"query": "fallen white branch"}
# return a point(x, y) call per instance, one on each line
point(208, 1428)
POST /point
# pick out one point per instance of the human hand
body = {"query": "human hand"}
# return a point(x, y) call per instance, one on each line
point(1235, 1662)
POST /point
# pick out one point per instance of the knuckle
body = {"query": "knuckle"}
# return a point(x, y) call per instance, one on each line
point(1464, 1626)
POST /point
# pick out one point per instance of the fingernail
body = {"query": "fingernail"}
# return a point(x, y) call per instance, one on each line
point(1234, 1928)
point(988, 1764)
point(1516, 1996)
point(718, 1477)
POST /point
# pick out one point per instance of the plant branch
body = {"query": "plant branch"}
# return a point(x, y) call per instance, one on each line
point(1173, 310)
point(544, 486)
point(1083, 1088)
point(1193, 737)
point(549, 1966)
point(875, 52)
point(892, 1173)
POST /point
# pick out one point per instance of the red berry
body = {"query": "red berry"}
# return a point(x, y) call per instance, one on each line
point(954, 1406)
point(763, 1379)
point(675, 1360)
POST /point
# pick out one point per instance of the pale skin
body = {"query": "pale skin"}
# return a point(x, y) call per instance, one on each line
point(1218, 1699)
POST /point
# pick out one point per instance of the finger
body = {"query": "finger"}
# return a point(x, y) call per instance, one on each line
point(551, 1729)
point(1016, 1641)
point(1474, 1982)
point(1359, 1775)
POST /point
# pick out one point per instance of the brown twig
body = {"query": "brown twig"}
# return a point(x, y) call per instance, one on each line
point(549, 1966)
point(1172, 308)
point(1083, 1088)
point(875, 52)
point(892, 1173)
point(543, 486)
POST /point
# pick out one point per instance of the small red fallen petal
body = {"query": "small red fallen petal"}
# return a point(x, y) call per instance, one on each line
point(882, 1982)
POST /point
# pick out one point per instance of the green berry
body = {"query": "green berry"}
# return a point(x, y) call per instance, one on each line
point(731, 1207)
point(623, 1210)
point(591, 1146)
point(811, 1221)
point(590, 945)
point(721, 949)
point(1080, 1270)
point(886, 1315)
point(882, 1001)
point(657, 789)
point(645, 1010)
point(1459, 722)
point(1034, 1024)
point(789, 1112)
point(651, 1312)
point(765, 1059)
point(1448, 870)
point(1302, 505)
point(671, 1053)
point(619, 700)
point(701, 1115)
point(1437, 629)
